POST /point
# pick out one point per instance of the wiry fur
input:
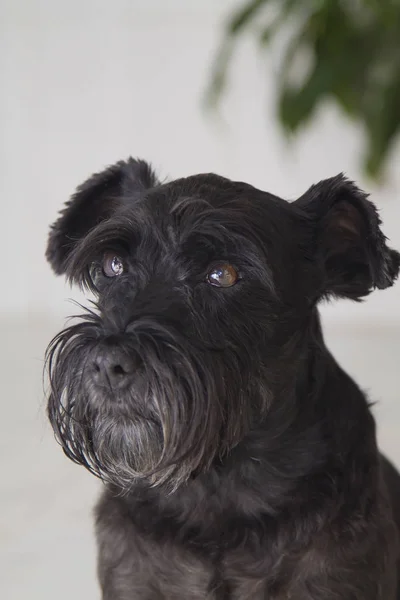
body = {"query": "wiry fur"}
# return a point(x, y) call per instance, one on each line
point(239, 459)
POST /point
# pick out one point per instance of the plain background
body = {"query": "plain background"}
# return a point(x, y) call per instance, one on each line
point(85, 83)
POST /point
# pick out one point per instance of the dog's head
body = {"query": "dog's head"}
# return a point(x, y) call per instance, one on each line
point(205, 292)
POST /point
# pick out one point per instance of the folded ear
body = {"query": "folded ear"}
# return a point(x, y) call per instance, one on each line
point(94, 201)
point(347, 240)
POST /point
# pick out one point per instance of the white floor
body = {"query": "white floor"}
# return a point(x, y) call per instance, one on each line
point(46, 541)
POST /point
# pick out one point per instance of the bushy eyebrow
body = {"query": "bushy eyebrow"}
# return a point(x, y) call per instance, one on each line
point(111, 234)
point(214, 242)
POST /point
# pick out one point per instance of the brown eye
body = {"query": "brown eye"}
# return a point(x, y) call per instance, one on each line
point(223, 275)
point(112, 265)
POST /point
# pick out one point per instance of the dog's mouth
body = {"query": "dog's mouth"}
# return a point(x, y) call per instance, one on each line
point(127, 415)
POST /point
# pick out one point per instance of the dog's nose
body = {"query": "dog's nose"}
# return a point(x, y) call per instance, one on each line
point(112, 366)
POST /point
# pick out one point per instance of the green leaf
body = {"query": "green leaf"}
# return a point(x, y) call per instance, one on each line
point(244, 15)
point(356, 52)
point(219, 75)
point(296, 106)
point(383, 125)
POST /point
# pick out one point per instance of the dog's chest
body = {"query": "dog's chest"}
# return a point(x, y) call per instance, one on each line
point(202, 564)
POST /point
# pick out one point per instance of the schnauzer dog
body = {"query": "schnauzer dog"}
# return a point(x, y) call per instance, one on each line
point(239, 460)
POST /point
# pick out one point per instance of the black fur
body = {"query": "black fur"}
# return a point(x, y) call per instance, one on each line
point(239, 459)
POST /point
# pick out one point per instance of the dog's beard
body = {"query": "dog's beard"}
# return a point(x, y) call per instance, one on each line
point(168, 425)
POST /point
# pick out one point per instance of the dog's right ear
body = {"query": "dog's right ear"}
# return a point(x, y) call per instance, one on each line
point(93, 202)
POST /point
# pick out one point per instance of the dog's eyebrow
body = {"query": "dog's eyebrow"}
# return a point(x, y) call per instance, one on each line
point(113, 234)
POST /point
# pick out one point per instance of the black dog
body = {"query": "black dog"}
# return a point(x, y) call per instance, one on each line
point(240, 460)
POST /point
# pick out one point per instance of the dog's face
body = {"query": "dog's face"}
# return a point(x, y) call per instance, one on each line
point(205, 291)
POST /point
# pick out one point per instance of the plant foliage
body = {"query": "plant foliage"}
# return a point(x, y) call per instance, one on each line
point(344, 50)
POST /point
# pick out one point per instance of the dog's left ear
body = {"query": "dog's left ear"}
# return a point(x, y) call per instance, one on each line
point(94, 201)
point(347, 241)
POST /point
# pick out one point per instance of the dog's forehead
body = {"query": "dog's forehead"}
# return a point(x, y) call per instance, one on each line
point(200, 211)
point(205, 194)
point(212, 189)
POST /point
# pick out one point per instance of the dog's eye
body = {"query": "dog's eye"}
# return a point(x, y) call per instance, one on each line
point(112, 265)
point(223, 275)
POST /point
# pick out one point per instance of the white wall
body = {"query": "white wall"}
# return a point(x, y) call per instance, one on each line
point(87, 82)
point(83, 84)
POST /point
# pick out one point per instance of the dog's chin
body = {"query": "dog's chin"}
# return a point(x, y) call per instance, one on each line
point(137, 450)
point(126, 452)
point(129, 439)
